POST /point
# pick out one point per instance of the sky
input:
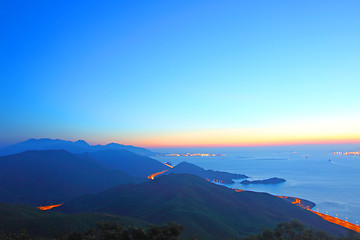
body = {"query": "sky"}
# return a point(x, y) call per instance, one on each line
point(180, 73)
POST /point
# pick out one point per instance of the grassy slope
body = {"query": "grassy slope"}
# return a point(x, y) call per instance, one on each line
point(14, 218)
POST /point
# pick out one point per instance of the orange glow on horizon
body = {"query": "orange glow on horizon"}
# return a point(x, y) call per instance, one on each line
point(224, 141)
point(300, 131)
point(355, 140)
point(242, 138)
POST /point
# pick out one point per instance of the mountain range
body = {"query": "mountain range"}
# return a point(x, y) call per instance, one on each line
point(79, 146)
point(112, 185)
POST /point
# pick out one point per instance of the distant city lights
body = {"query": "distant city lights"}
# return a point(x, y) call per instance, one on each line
point(190, 155)
point(347, 153)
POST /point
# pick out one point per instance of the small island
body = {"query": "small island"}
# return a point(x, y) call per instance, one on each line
point(273, 180)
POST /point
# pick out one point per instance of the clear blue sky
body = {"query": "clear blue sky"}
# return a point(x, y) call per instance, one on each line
point(155, 73)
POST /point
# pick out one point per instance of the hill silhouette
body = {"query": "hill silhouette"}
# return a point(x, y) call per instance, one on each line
point(131, 163)
point(53, 176)
point(79, 146)
point(189, 168)
point(205, 209)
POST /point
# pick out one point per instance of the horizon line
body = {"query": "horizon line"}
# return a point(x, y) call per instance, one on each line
point(263, 144)
point(255, 145)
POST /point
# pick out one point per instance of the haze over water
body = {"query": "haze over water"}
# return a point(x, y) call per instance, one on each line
point(312, 173)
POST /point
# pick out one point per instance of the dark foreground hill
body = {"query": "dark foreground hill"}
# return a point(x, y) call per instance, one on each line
point(78, 147)
point(14, 218)
point(53, 176)
point(211, 175)
point(204, 209)
point(131, 163)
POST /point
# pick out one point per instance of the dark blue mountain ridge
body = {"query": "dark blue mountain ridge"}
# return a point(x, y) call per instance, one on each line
point(78, 147)
point(53, 176)
point(129, 162)
point(210, 175)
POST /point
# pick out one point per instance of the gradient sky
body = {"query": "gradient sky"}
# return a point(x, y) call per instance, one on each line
point(180, 73)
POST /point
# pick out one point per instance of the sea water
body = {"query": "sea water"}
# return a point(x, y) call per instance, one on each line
point(331, 181)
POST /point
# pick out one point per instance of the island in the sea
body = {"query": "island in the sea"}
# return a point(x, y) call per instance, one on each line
point(273, 180)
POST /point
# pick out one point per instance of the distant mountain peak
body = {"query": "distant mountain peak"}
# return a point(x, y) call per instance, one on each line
point(187, 164)
point(30, 140)
point(83, 142)
point(39, 139)
point(79, 146)
point(114, 144)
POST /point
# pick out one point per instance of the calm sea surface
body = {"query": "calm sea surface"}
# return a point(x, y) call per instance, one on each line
point(330, 181)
